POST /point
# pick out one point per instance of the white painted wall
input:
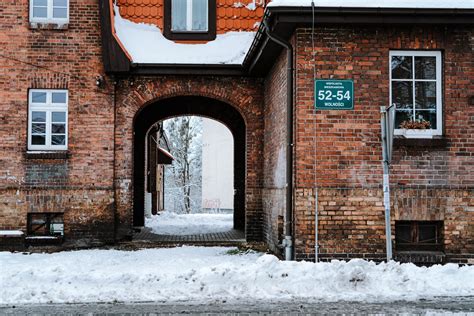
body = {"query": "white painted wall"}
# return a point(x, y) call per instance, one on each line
point(217, 166)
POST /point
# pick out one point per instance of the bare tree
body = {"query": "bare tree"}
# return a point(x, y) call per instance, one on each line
point(183, 179)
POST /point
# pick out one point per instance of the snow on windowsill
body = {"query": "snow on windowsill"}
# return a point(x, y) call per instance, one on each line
point(146, 45)
point(11, 233)
point(418, 4)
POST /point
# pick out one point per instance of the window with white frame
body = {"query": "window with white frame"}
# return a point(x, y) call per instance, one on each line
point(49, 11)
point(415, 89)
point(189, 15)
point(47, 119)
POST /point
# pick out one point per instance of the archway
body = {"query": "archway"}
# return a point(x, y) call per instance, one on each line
point(189, 105)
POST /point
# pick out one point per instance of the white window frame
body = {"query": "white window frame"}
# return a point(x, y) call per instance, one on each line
point(47, 107)
point(417, 133)
point(189, 18)
point(49, 18)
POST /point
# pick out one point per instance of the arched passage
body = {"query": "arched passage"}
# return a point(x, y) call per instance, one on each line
point(188, 105)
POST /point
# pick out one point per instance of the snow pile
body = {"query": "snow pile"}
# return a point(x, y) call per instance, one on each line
point(169, 223)
point(432, 4)
point(146, 44)
point(200, 274)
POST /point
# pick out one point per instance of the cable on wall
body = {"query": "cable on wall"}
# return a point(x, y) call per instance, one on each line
point(80, 79)
point(316, 197)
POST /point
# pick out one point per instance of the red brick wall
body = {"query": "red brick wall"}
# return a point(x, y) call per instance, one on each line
point(80, 185)
point(274, 153)
point(348, 151)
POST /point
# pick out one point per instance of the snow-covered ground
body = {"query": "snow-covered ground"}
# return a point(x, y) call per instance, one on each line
point(199, 274)
point(168, 223)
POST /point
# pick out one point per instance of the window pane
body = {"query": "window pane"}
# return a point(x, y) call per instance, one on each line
point(402, 67)
point(38, 97)
point(425, 95)
point(58, 117)
point(59, 3)
point(40, 12)
point(59, 97)
point(427, 233)
point(402, 116)
point(425, 67)
point(427, 115)
point(38, 128)
point(403, 233)
point(60, 13)
point(402, 94)
point(178, 15)
point(200, 15)
point(58, 140)
point(58, 128)
point(40, 3)
point(38, 116)
point(38, 140)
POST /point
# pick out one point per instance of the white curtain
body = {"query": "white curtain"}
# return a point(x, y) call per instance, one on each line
point(199, 15)
point(178, 15)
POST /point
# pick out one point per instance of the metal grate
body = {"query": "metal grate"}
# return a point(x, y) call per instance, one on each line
point(419, 235)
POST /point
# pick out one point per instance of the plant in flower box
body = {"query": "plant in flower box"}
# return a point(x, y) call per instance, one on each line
point(416, 128)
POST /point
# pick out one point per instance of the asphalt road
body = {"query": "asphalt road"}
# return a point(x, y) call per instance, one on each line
point(458, 306)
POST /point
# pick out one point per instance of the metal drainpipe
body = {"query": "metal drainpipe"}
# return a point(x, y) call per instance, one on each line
point(288, 241)
point(114, 174)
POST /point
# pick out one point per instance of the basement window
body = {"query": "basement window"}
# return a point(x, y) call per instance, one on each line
point(419, 235)
point(190, 19)
point(45, 225)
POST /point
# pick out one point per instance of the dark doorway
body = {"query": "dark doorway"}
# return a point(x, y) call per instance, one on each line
point(188, 105)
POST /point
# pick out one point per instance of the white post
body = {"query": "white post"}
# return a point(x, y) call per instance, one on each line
point(316, 226)
point(386, 182)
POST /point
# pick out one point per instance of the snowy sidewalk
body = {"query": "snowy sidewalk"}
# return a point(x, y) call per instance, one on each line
point(168, 223)
point(198, 274)
point(229, 238)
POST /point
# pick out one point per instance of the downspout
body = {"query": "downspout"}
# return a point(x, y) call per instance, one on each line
point(114, 175)
point(288, 240)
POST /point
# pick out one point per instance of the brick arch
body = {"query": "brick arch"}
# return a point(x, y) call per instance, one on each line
point(243, 100)
point(188, 105)
point(240, 96)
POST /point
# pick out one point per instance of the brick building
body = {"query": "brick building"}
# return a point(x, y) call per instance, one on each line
point(82, 82)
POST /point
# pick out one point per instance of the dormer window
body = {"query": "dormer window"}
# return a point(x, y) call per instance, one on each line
point(189, 15)
point(190, 19)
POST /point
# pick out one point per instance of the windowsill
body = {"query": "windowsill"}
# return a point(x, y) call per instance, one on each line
point(435, 142)
point(189, 32)
point(190, 36)
point(49, 26)
point(32, 154)
point(44, 240)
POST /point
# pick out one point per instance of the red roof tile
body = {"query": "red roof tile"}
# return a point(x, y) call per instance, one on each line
point(230, 15)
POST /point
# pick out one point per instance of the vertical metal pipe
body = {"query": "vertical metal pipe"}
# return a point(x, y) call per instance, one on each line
point(386, 182)
point(316, 225)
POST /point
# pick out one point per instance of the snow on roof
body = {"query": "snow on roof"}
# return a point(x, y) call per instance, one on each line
point(146, 44)
point(411, 4)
